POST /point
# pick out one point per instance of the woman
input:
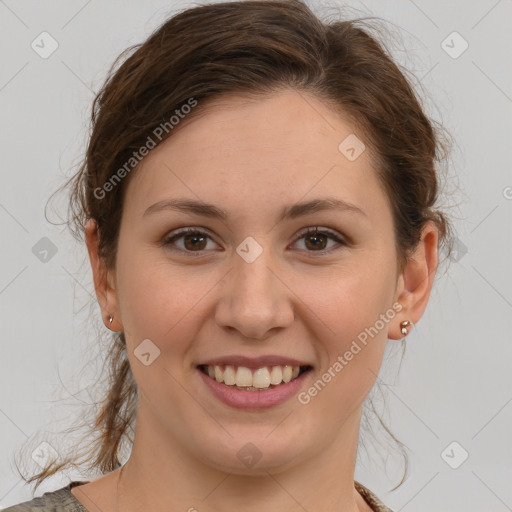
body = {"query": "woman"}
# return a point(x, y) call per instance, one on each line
point(258, 203)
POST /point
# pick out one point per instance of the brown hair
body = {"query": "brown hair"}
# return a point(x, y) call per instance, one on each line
point(249, 47)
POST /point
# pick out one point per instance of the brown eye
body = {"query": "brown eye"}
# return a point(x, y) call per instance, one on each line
point(193, 240)
point(317, 240)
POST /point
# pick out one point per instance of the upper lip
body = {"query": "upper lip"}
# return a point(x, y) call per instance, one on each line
point(254, 362)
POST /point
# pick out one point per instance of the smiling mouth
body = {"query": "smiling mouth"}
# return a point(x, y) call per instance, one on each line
point(253, 379)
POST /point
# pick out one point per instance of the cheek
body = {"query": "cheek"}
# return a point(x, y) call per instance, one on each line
point(158, 302)
point(356, 312)
point(354, 305)
point(351, 298)
point(154, 296)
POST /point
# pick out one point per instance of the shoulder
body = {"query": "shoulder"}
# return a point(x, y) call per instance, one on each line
point(61, 500)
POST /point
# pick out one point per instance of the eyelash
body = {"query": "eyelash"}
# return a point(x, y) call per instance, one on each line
point(169, 240)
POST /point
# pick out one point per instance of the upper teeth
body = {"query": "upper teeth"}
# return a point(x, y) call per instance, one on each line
point(261, 378)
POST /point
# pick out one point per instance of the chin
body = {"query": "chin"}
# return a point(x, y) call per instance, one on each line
point(240, 456)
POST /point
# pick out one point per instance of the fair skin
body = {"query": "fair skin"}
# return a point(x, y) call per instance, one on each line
point(252, 158)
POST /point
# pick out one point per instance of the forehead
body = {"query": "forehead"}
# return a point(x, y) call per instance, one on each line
point(258, 152)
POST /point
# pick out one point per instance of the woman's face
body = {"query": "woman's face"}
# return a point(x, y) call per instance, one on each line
point(253, 292)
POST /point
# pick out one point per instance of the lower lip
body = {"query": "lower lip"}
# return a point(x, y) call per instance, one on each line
point(254, 399)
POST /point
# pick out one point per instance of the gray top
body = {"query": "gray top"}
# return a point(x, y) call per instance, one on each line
point(63, 500)
point(56, 501)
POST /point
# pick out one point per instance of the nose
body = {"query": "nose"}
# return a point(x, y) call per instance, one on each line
point(255, 300)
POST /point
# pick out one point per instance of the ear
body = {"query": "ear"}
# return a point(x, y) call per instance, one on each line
point(104, 282)
point(416, 280)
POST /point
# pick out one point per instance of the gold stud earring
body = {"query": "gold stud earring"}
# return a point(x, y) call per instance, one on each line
point(404, 327)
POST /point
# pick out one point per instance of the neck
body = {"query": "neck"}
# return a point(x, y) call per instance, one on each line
point(161, 475)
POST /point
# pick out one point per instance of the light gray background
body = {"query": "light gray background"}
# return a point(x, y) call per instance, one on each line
point(454, 383)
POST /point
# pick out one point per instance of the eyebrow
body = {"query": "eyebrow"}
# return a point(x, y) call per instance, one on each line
point(289, 212)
